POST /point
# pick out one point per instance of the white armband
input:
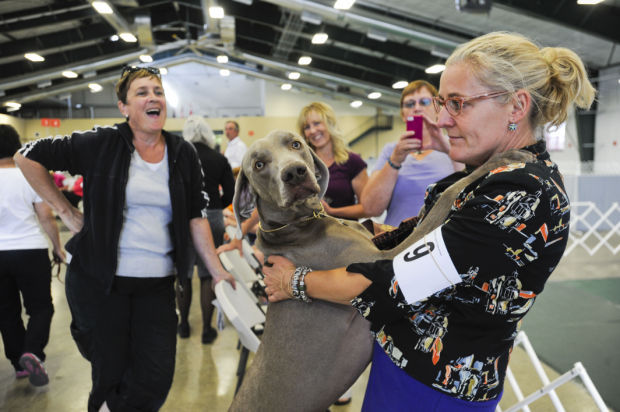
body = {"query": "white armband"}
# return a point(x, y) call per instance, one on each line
point(425, 268)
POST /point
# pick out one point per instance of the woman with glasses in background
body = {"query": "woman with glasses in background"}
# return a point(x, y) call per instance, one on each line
point(143, 199)
point(405, 168)
point(447, 348)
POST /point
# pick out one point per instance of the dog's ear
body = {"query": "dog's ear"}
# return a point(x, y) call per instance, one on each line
point(244, 200)
point(321, 172)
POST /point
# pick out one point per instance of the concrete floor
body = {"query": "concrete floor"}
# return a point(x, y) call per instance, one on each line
point(205, 374)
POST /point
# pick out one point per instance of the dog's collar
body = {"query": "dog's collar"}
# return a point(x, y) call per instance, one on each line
point(316, 214)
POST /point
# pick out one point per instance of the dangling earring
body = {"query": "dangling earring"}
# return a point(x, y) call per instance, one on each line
point(512, 126)
point(127, 118)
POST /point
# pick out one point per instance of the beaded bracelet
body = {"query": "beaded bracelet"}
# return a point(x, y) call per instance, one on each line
point(298, 284)
point(394, 166)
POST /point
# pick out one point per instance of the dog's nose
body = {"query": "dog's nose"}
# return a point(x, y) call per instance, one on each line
point(294, 174)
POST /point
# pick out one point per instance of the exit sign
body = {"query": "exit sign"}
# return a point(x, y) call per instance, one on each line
point(45, 122)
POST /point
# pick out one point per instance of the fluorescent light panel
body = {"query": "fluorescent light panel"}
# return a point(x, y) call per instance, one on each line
point(286, 86)
point(33, 57)
point(589, 2)
point(102, 7)
point(95, 87)
point(222, 59)
point(224, 72)
point(374, 95)
point(319, 38)
point(436, 68)
point(69, 74)
point(145, 58)
point(305, 60)
point(216, 12)
point(356, 104)
point(128, 37)
point(400, 84)
point(294, 75)
point(343, 4)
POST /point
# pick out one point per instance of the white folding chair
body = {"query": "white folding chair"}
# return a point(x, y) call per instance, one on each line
point(245, 316)
point(238, 267)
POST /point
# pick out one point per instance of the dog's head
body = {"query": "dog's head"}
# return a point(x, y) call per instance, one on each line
point(280, 169)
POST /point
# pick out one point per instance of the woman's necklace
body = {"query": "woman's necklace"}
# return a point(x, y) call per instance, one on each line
point(421, 155)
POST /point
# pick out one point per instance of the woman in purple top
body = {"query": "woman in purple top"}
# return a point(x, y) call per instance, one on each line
point(347, 170)
point(404, 168)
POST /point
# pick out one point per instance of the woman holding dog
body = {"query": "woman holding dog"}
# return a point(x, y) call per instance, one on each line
point(347, 171)
point(446, 347)
point(143, 198)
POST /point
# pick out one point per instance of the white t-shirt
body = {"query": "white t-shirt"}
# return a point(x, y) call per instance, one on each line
point(235, 151)
point(19, 227)
point(145, 244)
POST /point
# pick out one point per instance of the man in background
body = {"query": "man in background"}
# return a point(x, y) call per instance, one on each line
point(235, 148)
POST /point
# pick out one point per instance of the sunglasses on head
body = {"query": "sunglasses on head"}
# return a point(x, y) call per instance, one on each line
point(133, 69)
point(424, 101)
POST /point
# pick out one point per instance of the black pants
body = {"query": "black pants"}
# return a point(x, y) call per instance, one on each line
point(129, 337)
point(27, 272)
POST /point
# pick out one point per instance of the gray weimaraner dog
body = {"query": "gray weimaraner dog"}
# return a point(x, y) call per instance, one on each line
point(311, 353)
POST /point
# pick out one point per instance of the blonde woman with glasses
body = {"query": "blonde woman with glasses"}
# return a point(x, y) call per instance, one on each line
point(447, 348)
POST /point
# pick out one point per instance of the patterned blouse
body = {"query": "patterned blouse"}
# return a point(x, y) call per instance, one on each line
point(505, 234)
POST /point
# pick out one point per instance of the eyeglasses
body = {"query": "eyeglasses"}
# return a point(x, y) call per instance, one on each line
point(133, 69)
point(454, 105)
point(424, 101)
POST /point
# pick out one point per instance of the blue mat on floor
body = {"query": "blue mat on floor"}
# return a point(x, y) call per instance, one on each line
point(579, 321)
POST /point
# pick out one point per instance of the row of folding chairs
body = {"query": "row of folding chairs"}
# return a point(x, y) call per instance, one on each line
point(244, 306)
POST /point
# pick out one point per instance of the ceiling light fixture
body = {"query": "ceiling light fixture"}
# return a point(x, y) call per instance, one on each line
point(222, 59)
point(374, 95)
point(145, 58)
point(435, 68)
point(294, 75)
point(33, 57)
point(216, 12)
point(356, 104)
point(589, 2)
point(128, 37)
point(319, 38)
point(95, 87)
point(286, 86)
point(305, 60)
point(163, 70)
point(343, 4)
point(12, 106)
point(224, 72)
point(114, 37)
point(401, 84)
point(69, 74)
point(102, 7)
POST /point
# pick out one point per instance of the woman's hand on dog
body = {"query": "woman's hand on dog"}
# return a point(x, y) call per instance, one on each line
point(278, 272)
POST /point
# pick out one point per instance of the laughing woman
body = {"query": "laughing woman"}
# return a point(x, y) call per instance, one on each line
point(143, 198)
point(447, 349)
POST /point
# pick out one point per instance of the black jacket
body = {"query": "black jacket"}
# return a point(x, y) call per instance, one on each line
point(217, 171)
point(102, 157)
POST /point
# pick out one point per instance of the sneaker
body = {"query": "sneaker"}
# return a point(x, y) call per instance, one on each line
point(36, 371)
point(183, 330)
point(209, 336)
point(21, 374)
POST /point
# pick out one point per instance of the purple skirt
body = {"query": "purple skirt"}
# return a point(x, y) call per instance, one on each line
point(392, 389)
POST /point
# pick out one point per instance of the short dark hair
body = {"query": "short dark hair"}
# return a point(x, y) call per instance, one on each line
point(9, 141)
point(131, 74)
point(234, 123)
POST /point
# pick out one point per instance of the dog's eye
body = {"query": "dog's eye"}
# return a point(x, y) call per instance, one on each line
point(259, 165)
point(296, 145)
